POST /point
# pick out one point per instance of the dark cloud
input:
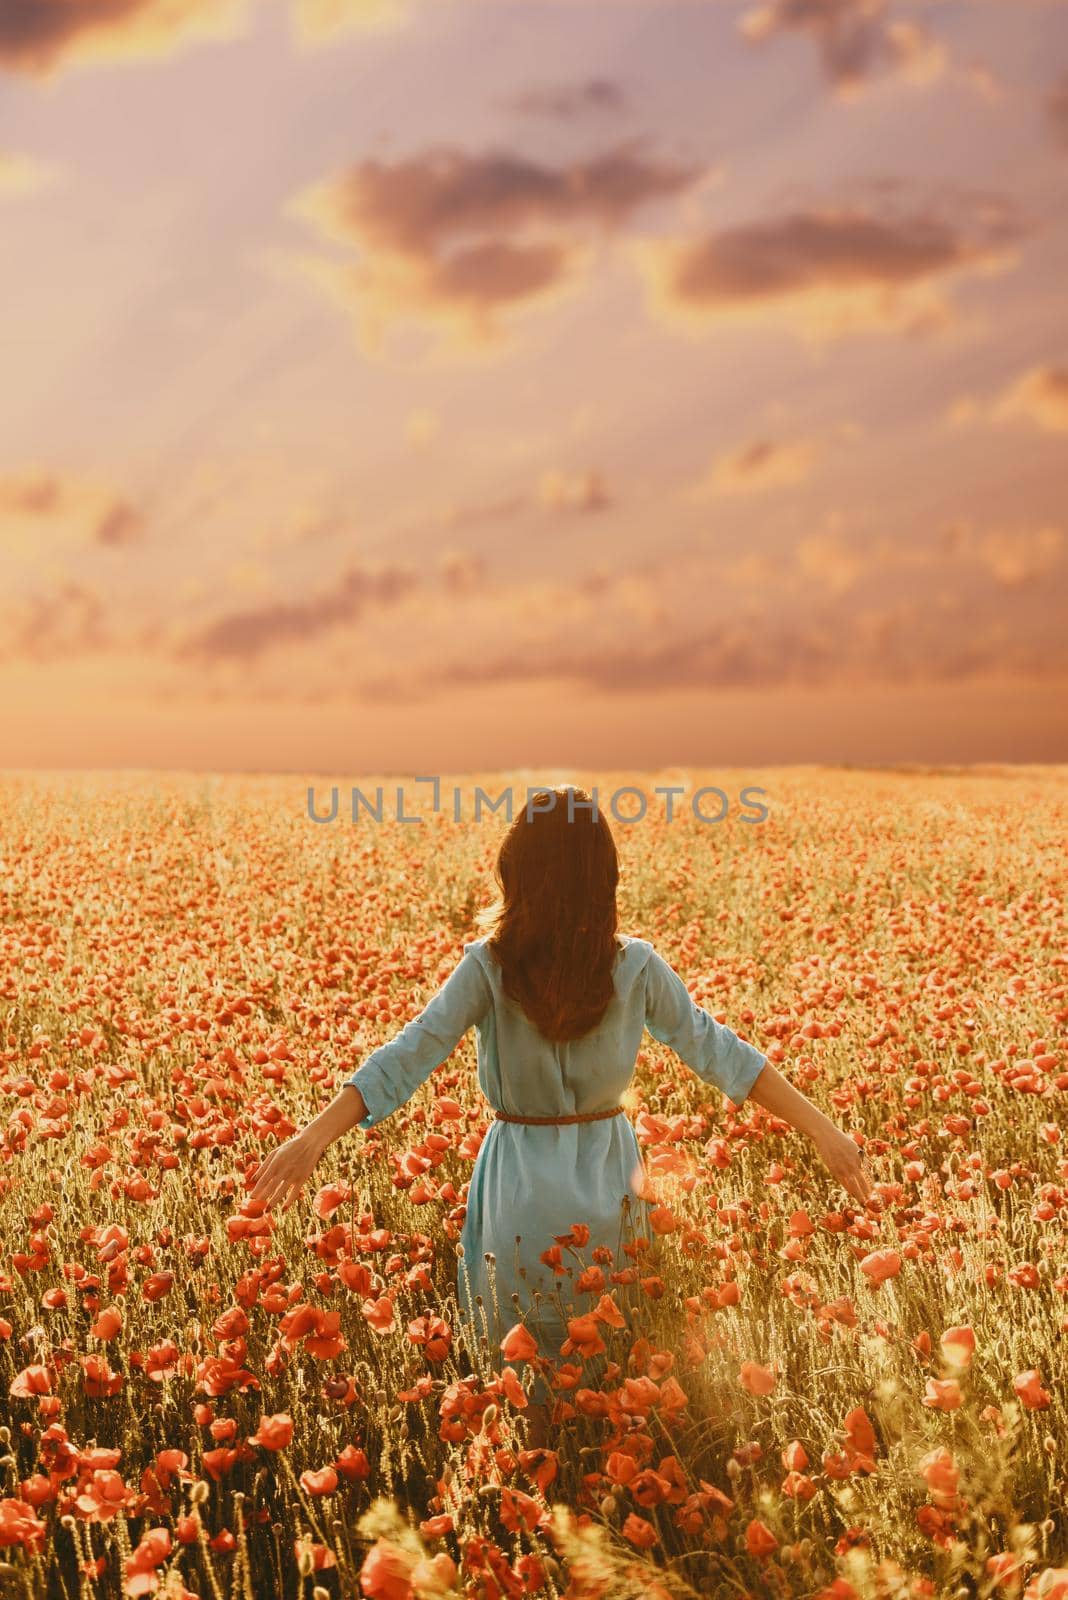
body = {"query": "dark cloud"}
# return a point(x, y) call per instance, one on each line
point(450, 239)
point(900, 642)
point(33, 494)
point(827, 257)
point(840, 613)
point(763, 463)
point(36, 34)
point(256, 630)
point(120, 524)
point(493, 273)
point(722, 656)
point(567, 101)
point(243, 635)
point(417, 206)
point(764, 260)
point(38, 37)
point(59, 503)
point(69, 619)
point(856, 39)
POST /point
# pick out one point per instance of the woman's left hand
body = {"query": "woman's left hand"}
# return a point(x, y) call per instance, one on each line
point(286, 1170)
point(845, 1160)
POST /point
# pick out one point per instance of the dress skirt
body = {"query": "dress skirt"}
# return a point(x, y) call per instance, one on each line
point(530, 1185)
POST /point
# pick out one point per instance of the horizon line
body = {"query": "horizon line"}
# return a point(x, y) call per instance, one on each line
point(978, 768)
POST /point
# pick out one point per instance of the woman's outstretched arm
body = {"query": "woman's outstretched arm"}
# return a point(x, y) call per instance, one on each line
point(346, 1110)
point(387, 1079)
point(742, 1072)
point(391, 1074)
point(289, 1166)
point(839, 1152)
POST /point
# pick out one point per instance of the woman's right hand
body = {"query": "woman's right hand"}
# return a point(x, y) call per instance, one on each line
point(845, 1161)
point(286, 1170)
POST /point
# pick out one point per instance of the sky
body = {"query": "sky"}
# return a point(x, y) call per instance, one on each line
point(448, 385)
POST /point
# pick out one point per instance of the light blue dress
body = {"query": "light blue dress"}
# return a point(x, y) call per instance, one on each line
point(534, 1181)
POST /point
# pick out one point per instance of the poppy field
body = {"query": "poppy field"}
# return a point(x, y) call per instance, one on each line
point(777, 1393)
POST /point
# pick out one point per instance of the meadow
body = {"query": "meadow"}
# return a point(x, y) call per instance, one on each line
point(804, 1398)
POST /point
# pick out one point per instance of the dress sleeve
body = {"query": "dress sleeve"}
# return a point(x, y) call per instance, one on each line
point(392, 1073)
point(714, 1052)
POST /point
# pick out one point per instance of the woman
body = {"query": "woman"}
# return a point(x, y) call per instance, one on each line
point(560, 1002)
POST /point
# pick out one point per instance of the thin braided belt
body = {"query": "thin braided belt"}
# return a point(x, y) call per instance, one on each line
point(577, 1116)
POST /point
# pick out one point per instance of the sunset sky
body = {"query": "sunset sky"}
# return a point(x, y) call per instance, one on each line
point(430, 385)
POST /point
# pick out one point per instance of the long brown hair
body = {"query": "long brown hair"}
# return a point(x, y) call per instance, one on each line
point(553, 925)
